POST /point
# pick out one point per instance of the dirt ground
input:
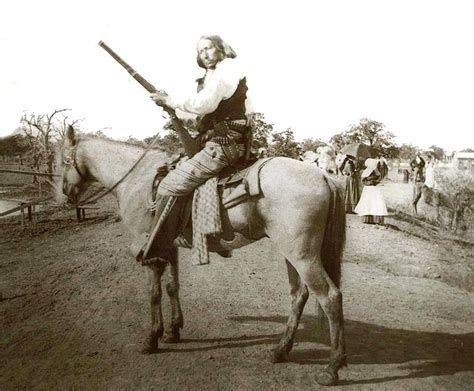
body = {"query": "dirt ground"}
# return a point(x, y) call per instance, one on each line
point(74, 310)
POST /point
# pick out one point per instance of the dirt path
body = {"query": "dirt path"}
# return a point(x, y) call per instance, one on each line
point(74, 313)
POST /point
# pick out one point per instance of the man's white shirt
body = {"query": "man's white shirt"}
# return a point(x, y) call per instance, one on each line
point(219, 84)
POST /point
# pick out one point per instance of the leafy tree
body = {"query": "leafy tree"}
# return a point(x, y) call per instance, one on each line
point(261, 130)
point(284, 144)
point(13, 145)
point(392, 152)
point(467, 150)
point(170, 141)
point(339, 140)
point(408, 151)
point(369, 132)
point(437, 152)
point(310, 144)
point(455, 190)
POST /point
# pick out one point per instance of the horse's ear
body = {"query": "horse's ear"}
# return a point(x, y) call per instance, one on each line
point(70, 135)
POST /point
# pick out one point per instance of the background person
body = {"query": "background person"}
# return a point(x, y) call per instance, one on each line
point(371, 205)
point(429, 184)
point(349, 169)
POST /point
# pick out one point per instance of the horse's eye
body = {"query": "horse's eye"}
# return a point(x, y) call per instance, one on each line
point(67, 160)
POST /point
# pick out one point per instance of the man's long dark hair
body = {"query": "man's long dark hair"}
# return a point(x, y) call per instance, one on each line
point(224, 49)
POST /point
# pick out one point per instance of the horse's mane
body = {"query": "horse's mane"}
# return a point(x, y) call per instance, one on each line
point(117, 142)
point(120, 147)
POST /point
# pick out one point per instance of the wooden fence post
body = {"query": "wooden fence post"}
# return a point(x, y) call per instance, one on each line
point(22, 218)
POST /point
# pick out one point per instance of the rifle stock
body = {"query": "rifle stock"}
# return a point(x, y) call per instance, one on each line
point(191, 146)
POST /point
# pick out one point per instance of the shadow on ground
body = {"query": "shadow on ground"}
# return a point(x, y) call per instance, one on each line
point(423, 353)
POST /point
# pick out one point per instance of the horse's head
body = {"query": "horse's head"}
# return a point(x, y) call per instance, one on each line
point(72, 172)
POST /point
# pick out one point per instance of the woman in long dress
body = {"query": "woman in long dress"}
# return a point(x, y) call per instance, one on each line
point(371, 205)
point(350, 171)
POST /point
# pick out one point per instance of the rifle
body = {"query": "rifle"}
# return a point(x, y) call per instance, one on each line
point(191, 145)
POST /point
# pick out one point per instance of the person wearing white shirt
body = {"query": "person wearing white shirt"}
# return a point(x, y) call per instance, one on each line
point(429, 173)
point(220, 106)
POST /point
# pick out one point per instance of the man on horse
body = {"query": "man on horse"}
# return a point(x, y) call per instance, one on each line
point(417, 165)
point(418, 161)
point(219, 104)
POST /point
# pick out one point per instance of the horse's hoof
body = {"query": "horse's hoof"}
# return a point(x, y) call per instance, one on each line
point(279, 356)
point(149, 350)
point(151, 345)
point(171, 338)
point(326, 378)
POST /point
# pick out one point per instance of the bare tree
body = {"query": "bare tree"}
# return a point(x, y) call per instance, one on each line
point(65, 122)
point(43, 132)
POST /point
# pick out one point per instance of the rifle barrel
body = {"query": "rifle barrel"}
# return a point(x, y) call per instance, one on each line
point(148, 86)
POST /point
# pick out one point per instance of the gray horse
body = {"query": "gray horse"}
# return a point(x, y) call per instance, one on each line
point(300, 210)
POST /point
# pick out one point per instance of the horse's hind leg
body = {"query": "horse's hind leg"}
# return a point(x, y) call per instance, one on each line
point(156, 332)
point(329, 296)
point(299, 296)
point(172, 288)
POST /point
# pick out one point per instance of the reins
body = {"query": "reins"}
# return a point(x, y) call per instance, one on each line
point(91, 199)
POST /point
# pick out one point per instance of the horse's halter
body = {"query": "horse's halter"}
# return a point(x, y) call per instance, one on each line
point(71, 161)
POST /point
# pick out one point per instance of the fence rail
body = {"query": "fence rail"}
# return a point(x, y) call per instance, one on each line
point(28, 172)
point(29, 205)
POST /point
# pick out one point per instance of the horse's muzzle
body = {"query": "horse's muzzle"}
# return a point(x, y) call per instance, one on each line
point(70, 194)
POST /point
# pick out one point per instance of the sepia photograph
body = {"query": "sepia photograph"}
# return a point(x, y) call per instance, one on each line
point(246, 195)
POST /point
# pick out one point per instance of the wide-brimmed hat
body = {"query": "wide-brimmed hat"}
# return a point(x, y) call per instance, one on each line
point(371, 166)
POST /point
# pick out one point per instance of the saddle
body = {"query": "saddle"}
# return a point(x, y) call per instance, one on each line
point(235, 183)
point(207, 205)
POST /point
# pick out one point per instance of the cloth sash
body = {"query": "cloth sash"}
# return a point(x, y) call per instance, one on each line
point(206, 219)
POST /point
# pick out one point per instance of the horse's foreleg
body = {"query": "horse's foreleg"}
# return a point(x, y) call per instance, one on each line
point(330, 298)
point(416, 198)
point(172, 288)
point(156, 332)
point(299, 296)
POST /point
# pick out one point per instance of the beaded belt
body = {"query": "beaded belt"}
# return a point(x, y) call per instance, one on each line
point(227, 132)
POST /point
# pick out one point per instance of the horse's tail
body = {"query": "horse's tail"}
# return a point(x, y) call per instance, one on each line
point(335, 233)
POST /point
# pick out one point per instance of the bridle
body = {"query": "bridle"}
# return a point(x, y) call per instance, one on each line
point(71, 161)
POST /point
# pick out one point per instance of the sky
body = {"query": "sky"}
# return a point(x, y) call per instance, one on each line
point(316, 67)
